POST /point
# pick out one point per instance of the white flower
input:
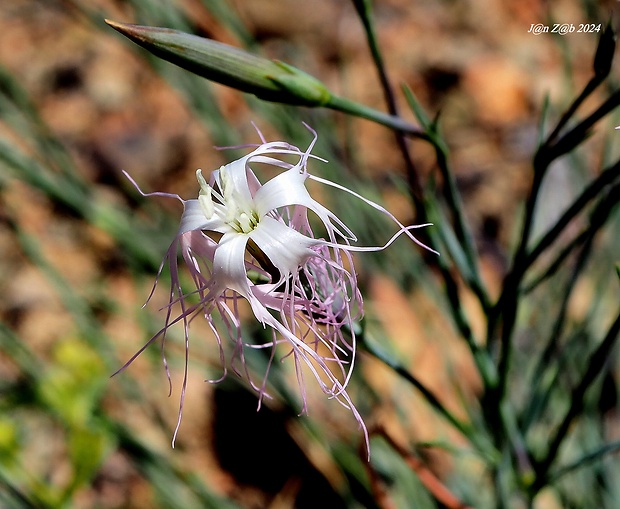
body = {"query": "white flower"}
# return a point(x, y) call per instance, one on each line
point(241, 239)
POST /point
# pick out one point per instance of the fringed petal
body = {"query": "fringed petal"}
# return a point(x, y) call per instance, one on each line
point(253, 242)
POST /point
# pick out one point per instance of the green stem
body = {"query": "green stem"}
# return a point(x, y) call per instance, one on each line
point(595, 364)
point(428, 395)
point(461, 227)
point(359, 110)
point(584, 460)
point(364, 9)
point(507, 304)
point(588, 89)
point(608, 176)
point(586, 239)
point(509, 300)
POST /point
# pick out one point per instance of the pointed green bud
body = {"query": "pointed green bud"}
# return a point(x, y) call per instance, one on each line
point(227, 65)
point(300, 84)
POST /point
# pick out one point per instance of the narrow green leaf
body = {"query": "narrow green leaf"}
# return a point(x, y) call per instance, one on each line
point(585, 460)
point(417, 108)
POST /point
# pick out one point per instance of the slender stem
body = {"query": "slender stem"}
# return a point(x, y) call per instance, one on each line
point(509, 300)
point(428, 395)
point(595, 363)
point(588, 89)
point(364, 10)
point(516, 439)
point(588, 458)
point(582, 238)
point(359, 110)
point(461, 227)
point(551, 347)
point(608, 176)
point(578, 133)
point(599, 217)
point(481, 358)
point(434, 485)
point(550, 150)
point(507, 304)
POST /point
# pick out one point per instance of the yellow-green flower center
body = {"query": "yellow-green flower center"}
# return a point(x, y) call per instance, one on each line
point(244, 222)
point(240, 216)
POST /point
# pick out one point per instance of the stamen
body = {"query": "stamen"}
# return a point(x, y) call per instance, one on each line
point(245, 222)
point(204, 197)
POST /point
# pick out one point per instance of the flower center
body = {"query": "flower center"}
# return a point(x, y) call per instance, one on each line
point(244, 222)
point(232, 209)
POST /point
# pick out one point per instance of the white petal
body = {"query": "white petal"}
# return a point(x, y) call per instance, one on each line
point(236, 174)
point(285, 189)
point(288, 189)
point(229, 264)
point(403, 229)
point(194, 219)
point(229, 272)
point(286, 248)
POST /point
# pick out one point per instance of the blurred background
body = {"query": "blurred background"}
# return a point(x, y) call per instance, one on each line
point(80, 247)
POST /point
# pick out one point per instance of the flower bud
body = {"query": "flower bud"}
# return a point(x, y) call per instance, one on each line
point(605, 52)
point(267, 79)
